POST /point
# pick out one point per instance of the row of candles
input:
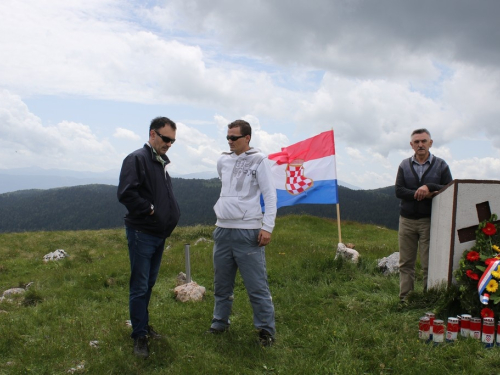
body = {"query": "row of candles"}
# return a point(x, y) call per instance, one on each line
point(432, 329)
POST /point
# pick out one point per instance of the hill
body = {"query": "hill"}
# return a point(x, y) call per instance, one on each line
point(15, 179)
point(332, 317)
point(96, 207)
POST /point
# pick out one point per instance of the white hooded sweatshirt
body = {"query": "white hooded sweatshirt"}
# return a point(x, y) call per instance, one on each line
point(244, 178)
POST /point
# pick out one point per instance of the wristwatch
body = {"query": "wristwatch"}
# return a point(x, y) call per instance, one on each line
point(152, 208)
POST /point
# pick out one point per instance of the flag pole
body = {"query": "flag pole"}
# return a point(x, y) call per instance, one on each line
point(338, 205)
point(338, 222)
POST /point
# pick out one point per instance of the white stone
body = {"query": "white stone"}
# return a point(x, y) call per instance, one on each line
point(94, 344)
point(79, 368)
point(56, 255)
point(453, 209)
point(189, 292)
point(347, 253)
point(390, 264)
point(12, 291)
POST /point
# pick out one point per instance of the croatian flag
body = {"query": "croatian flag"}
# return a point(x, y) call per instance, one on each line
point(486, 277)
point(305, 173)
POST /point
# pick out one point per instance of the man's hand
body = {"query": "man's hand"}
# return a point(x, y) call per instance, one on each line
point(423, 193)
point(264, 237)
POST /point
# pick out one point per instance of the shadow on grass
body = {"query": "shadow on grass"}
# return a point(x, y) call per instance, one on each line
point(443, 301)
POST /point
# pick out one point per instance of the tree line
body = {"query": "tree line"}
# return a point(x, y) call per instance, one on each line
point(96, 207)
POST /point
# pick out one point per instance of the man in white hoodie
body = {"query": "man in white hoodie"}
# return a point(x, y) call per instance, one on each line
point(243, 231)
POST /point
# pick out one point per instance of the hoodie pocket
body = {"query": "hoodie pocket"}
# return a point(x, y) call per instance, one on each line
point(228, 208)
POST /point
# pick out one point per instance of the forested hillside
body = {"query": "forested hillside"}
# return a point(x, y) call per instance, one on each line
point(96, 207)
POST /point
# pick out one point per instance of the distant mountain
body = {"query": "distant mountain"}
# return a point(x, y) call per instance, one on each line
point(199, 175)
point(96, 206)
point(112, 173)
point(347, 185)
point(35, 178)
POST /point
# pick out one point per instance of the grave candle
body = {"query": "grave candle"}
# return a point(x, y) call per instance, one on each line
point(475, 328)
point(424, 327)
point(438, 331)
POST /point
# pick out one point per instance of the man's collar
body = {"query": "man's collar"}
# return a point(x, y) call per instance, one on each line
point(429, 159)
point(247, 152)
point(155, 155)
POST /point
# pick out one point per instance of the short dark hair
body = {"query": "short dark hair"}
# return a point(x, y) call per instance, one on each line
point(420, 131)
point(244, 126)
point(160, 122)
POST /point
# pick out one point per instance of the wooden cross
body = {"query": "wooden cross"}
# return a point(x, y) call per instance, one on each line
point(483, 213)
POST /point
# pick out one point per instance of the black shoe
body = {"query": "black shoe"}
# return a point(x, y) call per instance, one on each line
point(141, 347)
point(214, 331)
point(265, 338)
point(152, 334)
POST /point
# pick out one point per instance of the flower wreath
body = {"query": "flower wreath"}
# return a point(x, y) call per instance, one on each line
point(478, 275)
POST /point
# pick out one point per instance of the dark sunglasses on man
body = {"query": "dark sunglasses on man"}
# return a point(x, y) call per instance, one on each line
point(164, 138)
point(234, 137)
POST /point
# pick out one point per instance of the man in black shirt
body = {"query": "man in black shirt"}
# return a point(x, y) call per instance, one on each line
point(145, 189)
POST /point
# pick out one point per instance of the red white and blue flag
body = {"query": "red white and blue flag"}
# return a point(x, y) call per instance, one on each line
point(305, 172)
point(486, 277)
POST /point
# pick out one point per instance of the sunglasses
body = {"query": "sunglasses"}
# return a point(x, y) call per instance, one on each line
point(234, 137)
point(165, 138)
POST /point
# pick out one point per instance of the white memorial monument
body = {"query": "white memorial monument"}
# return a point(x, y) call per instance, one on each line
point(456, 212)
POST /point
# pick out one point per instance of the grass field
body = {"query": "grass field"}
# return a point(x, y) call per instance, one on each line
point(332, 317)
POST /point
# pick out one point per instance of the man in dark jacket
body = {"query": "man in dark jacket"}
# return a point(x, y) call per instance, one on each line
point(419, 179)
point(145, 189)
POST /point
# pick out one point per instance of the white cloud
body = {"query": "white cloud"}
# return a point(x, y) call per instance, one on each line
point(25, 141)
point(443, 152)
point(369, 70)
point(376, 114)
point(126, 134)
point(476, 168)
point(369, 179)
point(474, 93)
point(193, 151)
point(355, 38)
point(86, 49)
point(355, 154)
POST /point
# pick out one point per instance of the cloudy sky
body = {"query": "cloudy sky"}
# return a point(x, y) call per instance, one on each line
point(80, 80)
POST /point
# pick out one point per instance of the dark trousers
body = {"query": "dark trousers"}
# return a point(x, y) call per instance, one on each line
point(145, 252)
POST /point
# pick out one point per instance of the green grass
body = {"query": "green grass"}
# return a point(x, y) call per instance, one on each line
point(332, 317)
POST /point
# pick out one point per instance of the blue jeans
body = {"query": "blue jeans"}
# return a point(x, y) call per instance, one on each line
point(145, 252)
point(238, 249)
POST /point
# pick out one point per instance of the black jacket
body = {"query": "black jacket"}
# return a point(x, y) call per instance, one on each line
point(436, 177)
point(144, 182)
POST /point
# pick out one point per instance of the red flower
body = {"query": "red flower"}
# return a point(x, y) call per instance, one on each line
point(489, 229)
point(487, 313)
point(472, 275)
point(488, 261)
point(472, 256)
